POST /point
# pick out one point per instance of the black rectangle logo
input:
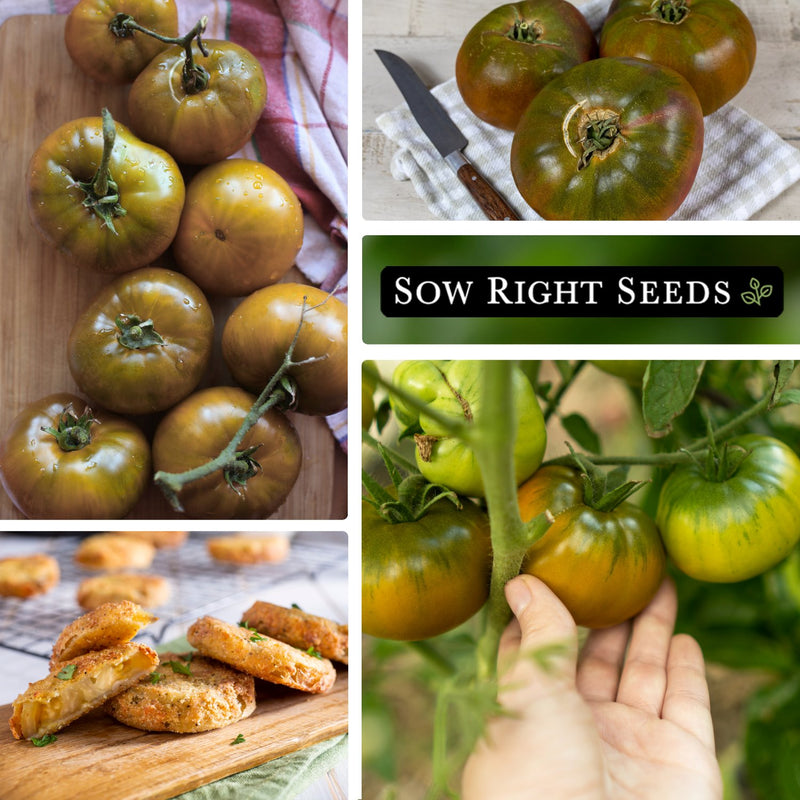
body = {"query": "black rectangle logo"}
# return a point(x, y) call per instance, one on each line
point(469, 291)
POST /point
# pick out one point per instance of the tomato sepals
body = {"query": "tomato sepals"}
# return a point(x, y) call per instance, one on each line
point(672, 12)
point(73, 433)
point(721, 464)
point(101, 193)
point(604, 491)
point(599, 132)
point(136, 334)
point(529, 33)
point(122, 25)
point(241, 468)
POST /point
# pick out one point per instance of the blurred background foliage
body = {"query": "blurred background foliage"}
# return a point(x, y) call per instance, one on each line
point(749, 631)
point(732, 252)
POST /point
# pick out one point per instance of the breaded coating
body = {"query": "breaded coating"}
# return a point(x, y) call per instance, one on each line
point(26, 576)
point(75, 687)
point(159, 539)
point(261, 656)
point(212, 696)
point(111, 551)
point(149, 591)
point(247, 549)
point(299, 629)
point(109, 624)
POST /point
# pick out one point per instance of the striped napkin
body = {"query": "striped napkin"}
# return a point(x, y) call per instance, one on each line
point(744, 164)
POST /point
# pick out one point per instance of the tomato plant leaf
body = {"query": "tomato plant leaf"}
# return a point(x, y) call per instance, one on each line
point(578, 427)
point(788, 398)
point(783, 372)
point(669, 387)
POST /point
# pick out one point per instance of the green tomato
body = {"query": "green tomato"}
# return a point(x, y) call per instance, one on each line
point(422, 578)
point(729, 530)
point(632, 372)
point(419, 378)
point(454, 389)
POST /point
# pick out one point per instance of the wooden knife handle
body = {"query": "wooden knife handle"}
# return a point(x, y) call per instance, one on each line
point(491, 203)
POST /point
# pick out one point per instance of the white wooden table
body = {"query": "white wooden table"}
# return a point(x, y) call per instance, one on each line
point(428, 35)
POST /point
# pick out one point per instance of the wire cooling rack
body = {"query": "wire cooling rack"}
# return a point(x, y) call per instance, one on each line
point(199, 585)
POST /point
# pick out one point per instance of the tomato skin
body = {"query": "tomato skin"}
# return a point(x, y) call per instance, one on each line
point(261, 328)
point(448, 387)
point(140, 381)
point(420, 579)
point(199, 428)
point(241, 228)
point(728, 531)
point(151, 190)
point(632, 372)
point(103, 480)
point(648, 170)
point(498, 74)
point(713, 46)
point(106, 57)
point(206, 126)
point(605, 566)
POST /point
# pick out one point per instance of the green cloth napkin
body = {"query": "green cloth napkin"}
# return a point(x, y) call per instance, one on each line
point(280, 779)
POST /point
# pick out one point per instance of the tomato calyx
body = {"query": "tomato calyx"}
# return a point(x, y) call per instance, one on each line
point(101, 193)
point(241, 468)
point(672, 12)
point(529, 33)
point(600, 135)
point(72, 432)
point(604, 491)
point(136, 334)
point(721, 464)
point(195, 77)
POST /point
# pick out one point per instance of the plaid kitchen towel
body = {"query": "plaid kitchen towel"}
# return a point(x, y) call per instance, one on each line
point(744, 164)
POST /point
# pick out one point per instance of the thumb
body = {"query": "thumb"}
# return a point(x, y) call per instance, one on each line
point(541, 650)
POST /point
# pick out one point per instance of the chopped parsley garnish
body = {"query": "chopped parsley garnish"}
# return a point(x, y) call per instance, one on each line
point(238, 740)
point(67, 672)
point(294, 605)
point(183, 669)
point(45, 740)
point(155, 677)
point(246, 625)
point(312, 651)
point(257, 637)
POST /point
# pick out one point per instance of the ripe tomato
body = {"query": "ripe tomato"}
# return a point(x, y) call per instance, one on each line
point(258, 334)
point(614, 138)
point(422, 578)
point(605, 566)
point(453, 388)
point(510, 54)
point(241, 228)
point(200, 427)
point(143, 343)
point(96, 467)
point(731, 529)
point(199, 124)
point(104, 50)
point(710, 42)
point(75, 215)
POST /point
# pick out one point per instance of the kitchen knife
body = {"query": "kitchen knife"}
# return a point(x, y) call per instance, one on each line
point(445, 136)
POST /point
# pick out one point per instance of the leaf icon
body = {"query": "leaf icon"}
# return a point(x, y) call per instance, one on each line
point(750, 298)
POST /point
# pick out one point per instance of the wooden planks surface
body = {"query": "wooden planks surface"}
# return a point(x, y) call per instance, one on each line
point(428, 35)
point(97, 758)
point(41, 293)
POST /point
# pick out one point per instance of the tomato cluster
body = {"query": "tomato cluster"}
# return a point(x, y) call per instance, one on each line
point(614, 137)
point(116, 201)
point(727, 517)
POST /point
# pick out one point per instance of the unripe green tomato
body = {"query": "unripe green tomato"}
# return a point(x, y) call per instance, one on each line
point(631, 372)
point(729, 530)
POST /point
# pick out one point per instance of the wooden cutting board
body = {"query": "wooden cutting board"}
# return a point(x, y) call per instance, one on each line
point(42, 293)
point(97, 758)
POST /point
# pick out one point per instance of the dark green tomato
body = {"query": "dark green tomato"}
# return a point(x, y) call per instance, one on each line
point(97, 468)
point(614, 138)
point(732, 529)
point(143, 343)
point(264, 471)
point(142, 223)
point(605, 566)
point(420, 579)
point(710, 42)
point(510, 54)
point(455, 389)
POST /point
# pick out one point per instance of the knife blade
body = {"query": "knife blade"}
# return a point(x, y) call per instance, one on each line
point(444, 135)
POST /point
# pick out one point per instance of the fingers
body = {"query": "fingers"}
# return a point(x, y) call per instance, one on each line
point(686, 701)
point(601, 661)
point(546, 637)
point(644, 677)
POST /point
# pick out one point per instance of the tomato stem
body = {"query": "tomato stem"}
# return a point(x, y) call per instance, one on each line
point(195, 77)
point(71, 432)
point(670, 11)
point(279, 392)
point(136, 334)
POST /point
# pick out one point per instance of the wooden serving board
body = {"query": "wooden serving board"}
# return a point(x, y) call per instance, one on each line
point(42, 293)
point(97, 758)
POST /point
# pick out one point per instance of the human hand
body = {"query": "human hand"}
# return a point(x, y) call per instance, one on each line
point(607, 724)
